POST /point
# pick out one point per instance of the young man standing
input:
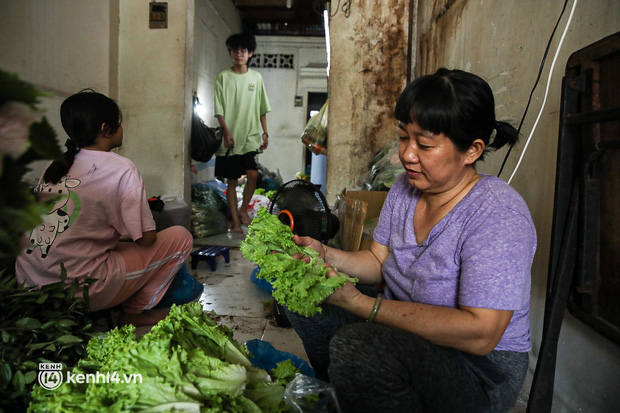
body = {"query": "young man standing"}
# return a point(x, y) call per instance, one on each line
point(241, 106)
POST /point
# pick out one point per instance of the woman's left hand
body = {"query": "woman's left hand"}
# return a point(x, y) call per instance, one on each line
point(343, 296)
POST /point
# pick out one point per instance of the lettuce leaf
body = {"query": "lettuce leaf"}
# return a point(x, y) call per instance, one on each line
point(187, 362)
point(299, 285)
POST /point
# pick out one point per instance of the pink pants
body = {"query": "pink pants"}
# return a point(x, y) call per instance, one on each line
point(150, 270)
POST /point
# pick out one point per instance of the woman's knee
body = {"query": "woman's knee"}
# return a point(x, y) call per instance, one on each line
point(352, 342)
point(177, 234)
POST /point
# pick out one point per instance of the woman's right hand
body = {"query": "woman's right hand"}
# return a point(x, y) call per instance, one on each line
point(311, 243)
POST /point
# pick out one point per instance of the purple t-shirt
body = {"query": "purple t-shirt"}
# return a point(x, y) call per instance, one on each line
point(479, 255)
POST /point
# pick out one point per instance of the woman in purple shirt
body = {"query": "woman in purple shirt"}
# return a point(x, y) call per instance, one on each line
point(454, 250)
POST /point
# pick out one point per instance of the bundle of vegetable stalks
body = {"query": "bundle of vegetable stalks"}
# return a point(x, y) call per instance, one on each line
point(299, 285)
point(187, 362)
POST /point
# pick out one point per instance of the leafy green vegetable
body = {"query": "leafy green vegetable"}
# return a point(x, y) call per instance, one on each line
point(186, 362)
point(285, 371)
point(262, 191)
point(38, 326)
point(299, 285)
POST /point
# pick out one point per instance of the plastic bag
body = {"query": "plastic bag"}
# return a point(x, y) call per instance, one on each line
point(262, 283)
point(308, 394)
point(315, 133)
point(269, 181)
point(384, 169)
point(266, 357)
point(257, 202)
point(183, 289)
point(205, 141)
point(209, 212)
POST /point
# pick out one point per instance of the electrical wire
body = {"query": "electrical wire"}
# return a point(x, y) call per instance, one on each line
point(540, 70)
point(557, 52)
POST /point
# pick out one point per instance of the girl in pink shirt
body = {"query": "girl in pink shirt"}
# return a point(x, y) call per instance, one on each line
point(99, 198)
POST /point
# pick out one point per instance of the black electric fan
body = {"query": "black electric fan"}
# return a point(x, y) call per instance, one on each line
point(301, 205)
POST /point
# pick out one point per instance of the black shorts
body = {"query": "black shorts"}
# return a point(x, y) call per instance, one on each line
point(234, 166)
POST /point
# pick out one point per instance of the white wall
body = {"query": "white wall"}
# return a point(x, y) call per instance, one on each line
point(213, 23)
point(44, 43)
point(63, 46)
point(155, 91)
point(286, 122)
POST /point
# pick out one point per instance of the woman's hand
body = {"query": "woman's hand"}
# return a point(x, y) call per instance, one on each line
point(344, 296)
point(148, 238)
point(311, 243)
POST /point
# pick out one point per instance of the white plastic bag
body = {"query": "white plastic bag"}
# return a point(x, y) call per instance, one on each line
point(306, 394)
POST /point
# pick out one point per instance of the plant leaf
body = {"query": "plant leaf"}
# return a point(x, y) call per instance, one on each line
point(68, 339)
point(5, 375)
point(19, 382)
point(28, 323)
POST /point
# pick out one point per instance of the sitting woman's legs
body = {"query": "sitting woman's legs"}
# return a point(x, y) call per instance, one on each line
point(316, 332)
point(379, 368)
point(150, 270)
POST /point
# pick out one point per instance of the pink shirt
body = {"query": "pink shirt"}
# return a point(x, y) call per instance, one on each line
point(101, 199)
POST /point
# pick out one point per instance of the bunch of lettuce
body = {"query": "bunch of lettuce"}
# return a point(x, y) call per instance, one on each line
point(187, 362)
point(299, 285)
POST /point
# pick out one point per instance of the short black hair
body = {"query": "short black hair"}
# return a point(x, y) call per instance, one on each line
point(241, 41)
point(456, 103)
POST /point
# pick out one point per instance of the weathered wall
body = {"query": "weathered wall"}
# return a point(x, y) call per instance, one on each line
point(46, 45)
point(368, 71)
point(504, 42)
point(155, 94)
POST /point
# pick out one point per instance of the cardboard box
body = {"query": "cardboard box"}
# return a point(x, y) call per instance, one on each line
point(374, 199)
point(358, 217)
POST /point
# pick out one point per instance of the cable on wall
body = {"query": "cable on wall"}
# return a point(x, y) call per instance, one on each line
point(536, 84)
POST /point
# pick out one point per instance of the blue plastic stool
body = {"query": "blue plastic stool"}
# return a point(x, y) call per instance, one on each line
point(208, 254)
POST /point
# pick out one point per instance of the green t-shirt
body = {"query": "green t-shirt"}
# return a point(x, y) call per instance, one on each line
point(241, 99)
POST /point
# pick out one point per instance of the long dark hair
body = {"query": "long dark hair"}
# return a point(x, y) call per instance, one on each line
point(458, 104)
point(82, 116)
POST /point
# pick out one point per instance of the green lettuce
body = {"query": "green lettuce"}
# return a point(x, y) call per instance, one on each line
point(187, 362)
point(299, 285)
point(285, 371)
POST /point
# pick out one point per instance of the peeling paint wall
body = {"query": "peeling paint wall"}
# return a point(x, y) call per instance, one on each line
point(504, 42)
point(368, 71)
